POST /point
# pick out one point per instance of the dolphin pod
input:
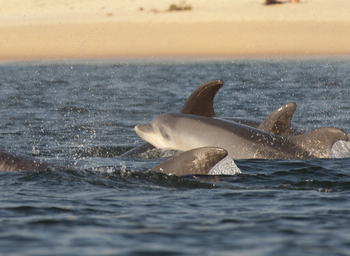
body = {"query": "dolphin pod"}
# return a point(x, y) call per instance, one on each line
point(200, 103)
point(273, 138)
point(193, 162)
point(184, 132)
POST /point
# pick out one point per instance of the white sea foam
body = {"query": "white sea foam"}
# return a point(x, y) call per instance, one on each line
point(340, 149)
point(225, 167)
point(158, 153)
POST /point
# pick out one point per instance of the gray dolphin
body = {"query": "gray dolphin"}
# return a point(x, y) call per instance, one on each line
point(17, 162)
point(185, 132)
point(200, 103)
point(192, 162)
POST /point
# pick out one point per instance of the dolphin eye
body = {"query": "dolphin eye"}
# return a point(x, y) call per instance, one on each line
point(165, 135)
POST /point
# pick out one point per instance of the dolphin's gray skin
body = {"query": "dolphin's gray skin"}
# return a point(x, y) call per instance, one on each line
point(278, 122)
point(185, 132)
point(201, 100)
point(193, 162)
point(198, 161)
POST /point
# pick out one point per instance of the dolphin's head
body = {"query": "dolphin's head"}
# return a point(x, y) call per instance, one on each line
point(158, 133)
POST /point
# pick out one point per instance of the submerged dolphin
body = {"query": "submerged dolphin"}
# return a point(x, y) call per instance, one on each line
point(17, 162)
point(192, 162)
point(185, 132)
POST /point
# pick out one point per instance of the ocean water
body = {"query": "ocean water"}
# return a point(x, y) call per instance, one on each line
point(83, 114)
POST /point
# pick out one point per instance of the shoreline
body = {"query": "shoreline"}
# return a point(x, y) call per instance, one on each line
point(177, 60)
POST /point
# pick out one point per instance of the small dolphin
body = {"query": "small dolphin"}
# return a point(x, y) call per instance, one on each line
point(193, 162)
point(185, 132)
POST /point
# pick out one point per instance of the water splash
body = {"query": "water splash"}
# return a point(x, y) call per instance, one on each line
point(340, 149)
point(225, 167)
point(157, 153)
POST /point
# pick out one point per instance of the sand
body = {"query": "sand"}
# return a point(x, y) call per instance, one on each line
point(85, 29)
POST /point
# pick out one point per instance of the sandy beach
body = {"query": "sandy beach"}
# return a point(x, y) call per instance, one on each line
point(77, 29)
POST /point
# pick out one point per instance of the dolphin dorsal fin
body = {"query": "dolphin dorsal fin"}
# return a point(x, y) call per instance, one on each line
point(200, 102)
point(278, 122)
point(319, 142)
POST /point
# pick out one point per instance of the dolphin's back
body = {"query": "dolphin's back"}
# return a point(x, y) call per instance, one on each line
point(18, 162)
point(318, 143)
point(244, 142)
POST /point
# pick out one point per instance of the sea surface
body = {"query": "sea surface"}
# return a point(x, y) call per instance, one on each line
point(82, 115)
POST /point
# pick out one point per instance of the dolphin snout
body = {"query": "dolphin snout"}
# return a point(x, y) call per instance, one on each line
point(142, 130)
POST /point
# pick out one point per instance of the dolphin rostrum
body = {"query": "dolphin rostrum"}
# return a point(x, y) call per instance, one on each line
point(192, 162)
point(185, 132)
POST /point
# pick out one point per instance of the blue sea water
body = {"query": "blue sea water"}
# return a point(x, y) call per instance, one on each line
point(83, 114)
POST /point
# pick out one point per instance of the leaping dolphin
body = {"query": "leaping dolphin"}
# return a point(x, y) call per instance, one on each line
point(193, 162)
point(185, 132)
point(200, 103)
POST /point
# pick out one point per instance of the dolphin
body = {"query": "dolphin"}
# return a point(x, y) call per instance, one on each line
point(184, 132)
point(193, 162)
point(200, 103)
point(20, 162)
